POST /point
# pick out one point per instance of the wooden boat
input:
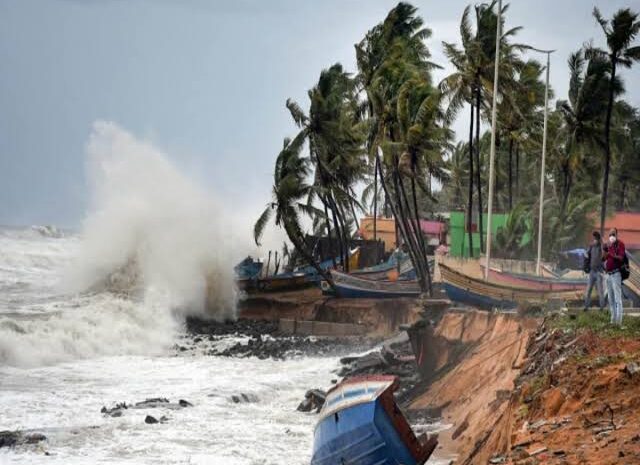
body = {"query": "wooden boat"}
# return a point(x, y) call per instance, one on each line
point(351, 286)
point(284, 282)
point(540, 283)
point(486, 294)
point(360, 423)
point(392, 273)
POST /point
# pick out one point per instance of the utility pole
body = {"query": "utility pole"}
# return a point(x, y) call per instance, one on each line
point(492, 153)
point(544, 155)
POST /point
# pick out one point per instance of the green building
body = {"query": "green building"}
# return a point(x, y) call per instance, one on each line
point(459, 238)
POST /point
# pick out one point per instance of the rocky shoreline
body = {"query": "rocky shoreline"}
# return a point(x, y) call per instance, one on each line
point(262, 339)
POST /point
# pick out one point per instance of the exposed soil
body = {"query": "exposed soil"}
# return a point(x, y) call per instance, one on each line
point(576, 402)
point(472, 360)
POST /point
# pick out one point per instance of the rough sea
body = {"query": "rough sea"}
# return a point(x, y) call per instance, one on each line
point(63, 356)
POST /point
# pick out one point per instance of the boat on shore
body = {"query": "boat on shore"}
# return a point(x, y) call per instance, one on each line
point(352, 286)
point(486, 294)
point(360, 423)
point(541, 283)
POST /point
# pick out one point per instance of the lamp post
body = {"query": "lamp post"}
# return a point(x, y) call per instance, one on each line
point(492, 153)
point(544, 155)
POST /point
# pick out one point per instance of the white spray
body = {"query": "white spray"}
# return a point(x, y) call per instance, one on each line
point(142, 208)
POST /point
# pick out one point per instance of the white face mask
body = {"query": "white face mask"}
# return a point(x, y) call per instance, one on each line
point(612, 239)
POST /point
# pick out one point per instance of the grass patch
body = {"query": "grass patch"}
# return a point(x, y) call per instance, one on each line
point(598, 322)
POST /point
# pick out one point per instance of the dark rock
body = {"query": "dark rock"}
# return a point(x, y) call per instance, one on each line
point(313, 400)
point(17, 438)
point(244, 398)
point(149, 420)
point(9, 438)
point(184, 403)
point(34, 438)
point(152, 402)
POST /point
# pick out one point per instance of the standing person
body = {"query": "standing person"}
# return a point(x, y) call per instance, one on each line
point(613, 257)
point(594, 264)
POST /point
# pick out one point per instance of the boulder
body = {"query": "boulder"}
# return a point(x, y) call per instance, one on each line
point(313, 400)
point(149, 420)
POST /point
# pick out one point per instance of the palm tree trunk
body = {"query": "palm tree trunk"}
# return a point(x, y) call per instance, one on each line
point(345, 236)
point(294, 235)
point(328, 223)
point(517, 171)
point(268, 263)
point(414, 232)
point(375, 201)
point(355, 218)
point(607, 155)
point(510, 173)
point(336, 225)
point(478, 182)
point(470, 201)
point(421, 236)
point(399, 224)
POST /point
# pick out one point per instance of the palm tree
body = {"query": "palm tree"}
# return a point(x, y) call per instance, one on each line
point(582, 117)
point(620, 32)
point(472, 83)
point(335, 135)
point(290, 189)
point(518, 114)
point(391, 55)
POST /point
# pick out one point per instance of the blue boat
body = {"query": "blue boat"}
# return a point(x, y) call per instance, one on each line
point(353, 287)
point(360, 424)
point(248, 268)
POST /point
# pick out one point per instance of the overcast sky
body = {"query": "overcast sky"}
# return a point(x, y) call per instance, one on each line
point(204, 80)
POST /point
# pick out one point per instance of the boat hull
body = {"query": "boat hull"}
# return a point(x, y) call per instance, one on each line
point(361, 424)
point(486, 294)
point(536, 282)
point(350, 286)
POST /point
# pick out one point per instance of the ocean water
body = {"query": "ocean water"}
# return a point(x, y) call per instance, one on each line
point(63, 356)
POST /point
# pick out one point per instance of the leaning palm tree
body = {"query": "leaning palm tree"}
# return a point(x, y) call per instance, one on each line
point(335, 134)
point(620, 32)
point(391, 54)
point(290, 189)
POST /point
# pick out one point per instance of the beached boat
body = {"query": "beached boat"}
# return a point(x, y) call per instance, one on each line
point(360, 423)
point(284, 282)
point(352, 286)
point(540, 283)
point(486, 294)
point(246, 273)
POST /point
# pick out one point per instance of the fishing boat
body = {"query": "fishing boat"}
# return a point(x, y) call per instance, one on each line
point(284, 282)
point(352, 286)
point(540, 283)
point(247, 272)
point(360, 423)
point(486, 294)
point(403, 270)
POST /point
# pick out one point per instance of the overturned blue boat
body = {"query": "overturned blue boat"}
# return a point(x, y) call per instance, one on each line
point(360, 424)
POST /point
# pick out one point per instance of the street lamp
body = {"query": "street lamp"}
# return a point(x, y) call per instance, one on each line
point(544, 154)
point(492, 153)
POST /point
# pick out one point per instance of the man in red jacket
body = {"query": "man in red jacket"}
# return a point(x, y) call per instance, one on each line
point(613, 257)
